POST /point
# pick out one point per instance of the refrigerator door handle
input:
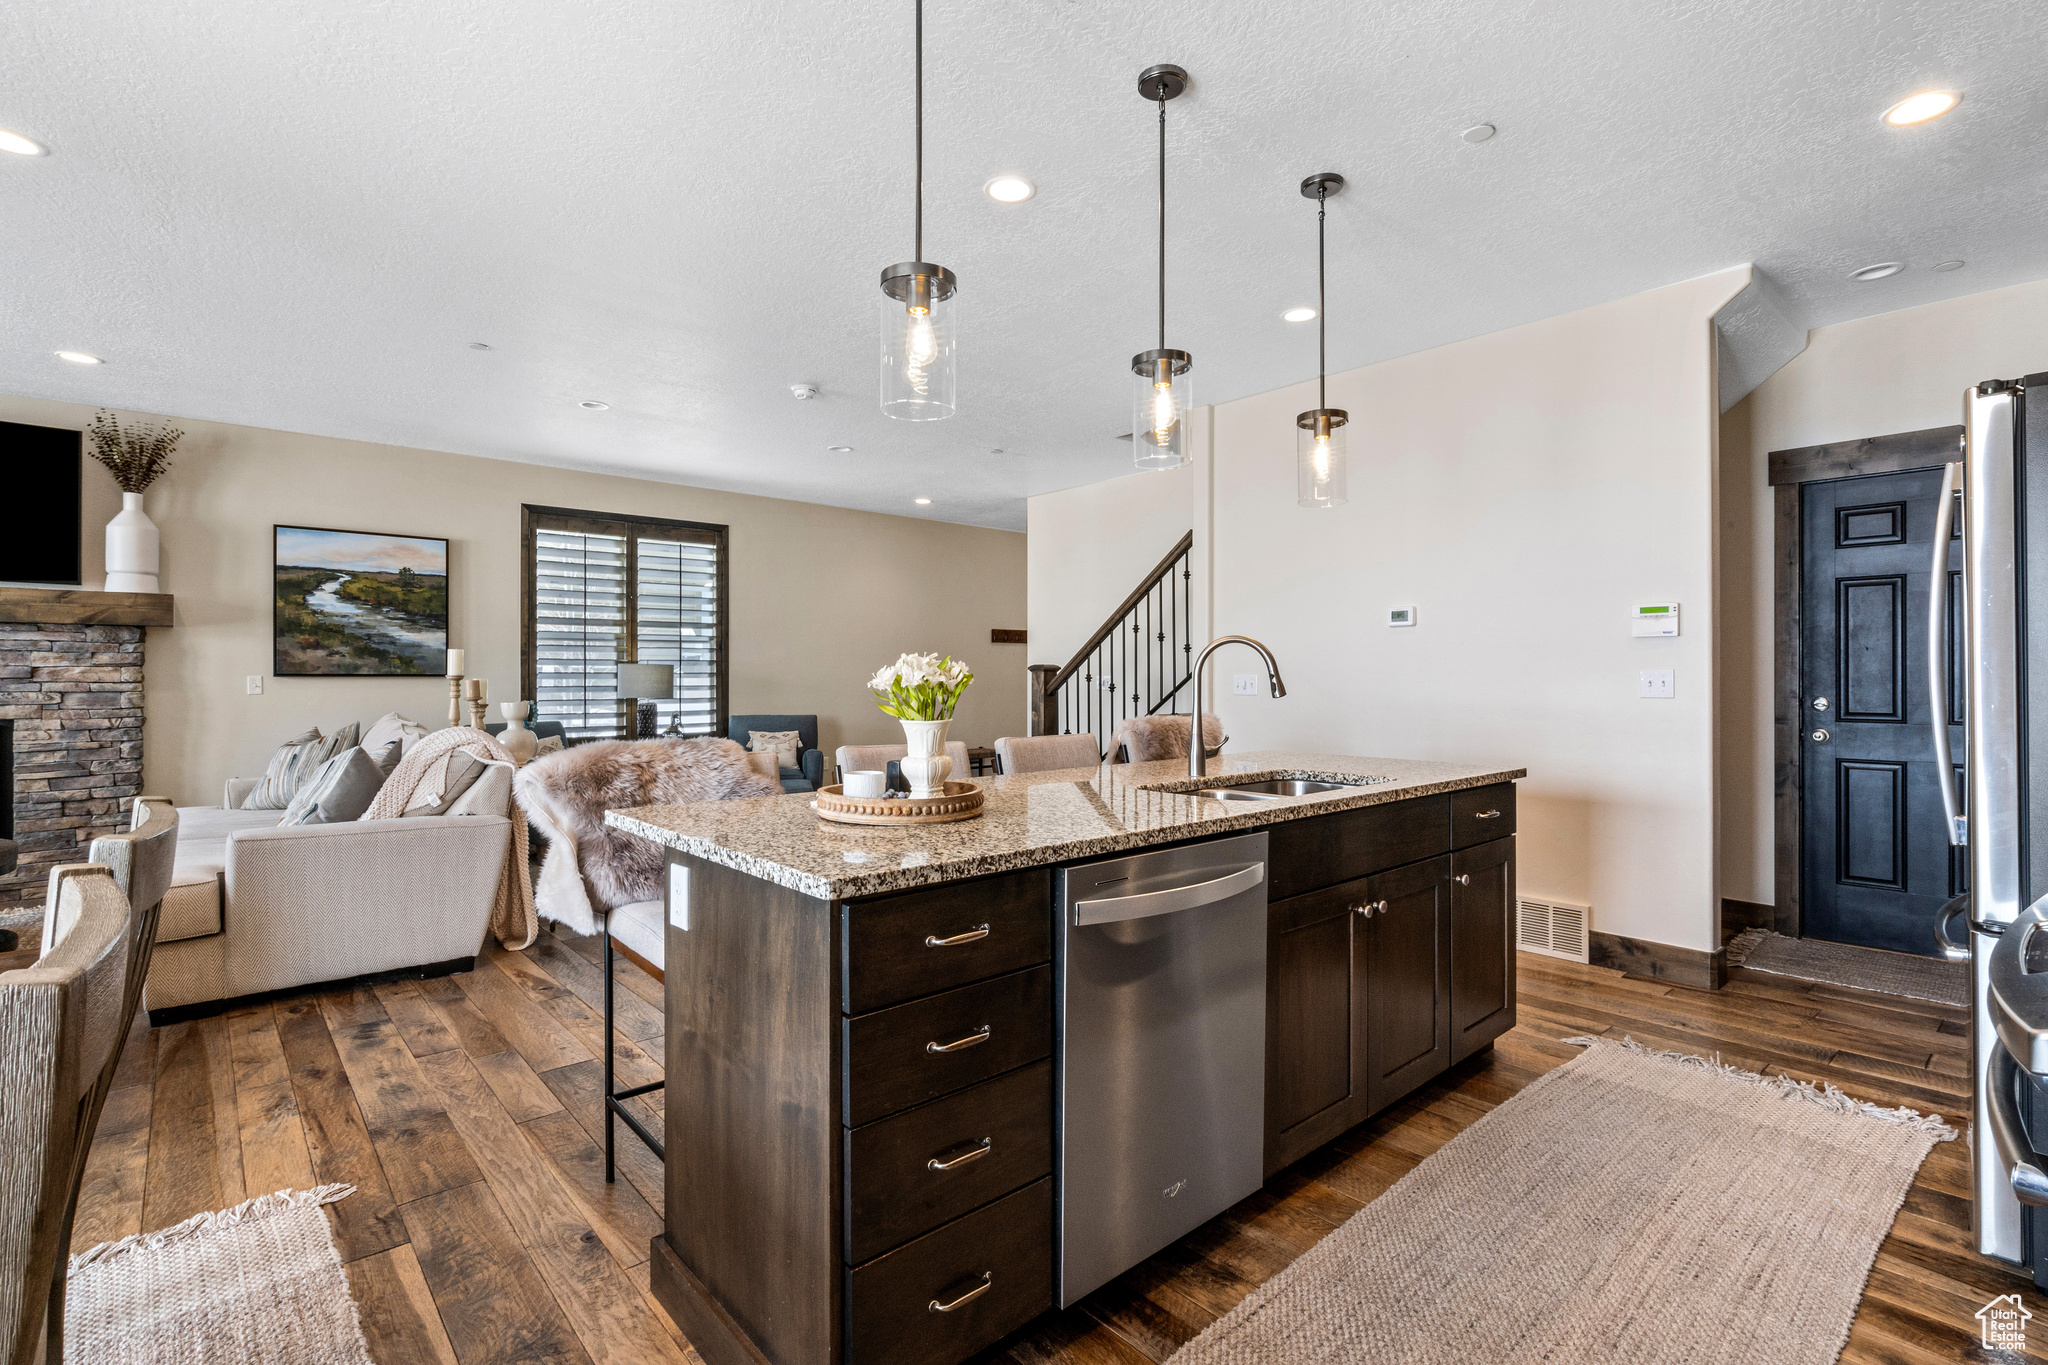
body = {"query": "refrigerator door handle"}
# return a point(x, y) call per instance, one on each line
point(1956, 910)
point(2015, 1153)
point(1937, 667)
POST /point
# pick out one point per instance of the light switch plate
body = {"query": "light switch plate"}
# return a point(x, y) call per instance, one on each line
point(1400, 616)
point(255, 684)
point(679, 896)
point(1656, 682)
point(1244, 684)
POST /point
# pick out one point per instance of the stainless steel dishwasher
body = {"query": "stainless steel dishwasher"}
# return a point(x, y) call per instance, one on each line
point(1160, 971)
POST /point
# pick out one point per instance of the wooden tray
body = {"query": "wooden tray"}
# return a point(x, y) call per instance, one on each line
point(962, 801)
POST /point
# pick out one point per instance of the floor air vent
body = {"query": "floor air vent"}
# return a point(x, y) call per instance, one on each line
point(1554, 928)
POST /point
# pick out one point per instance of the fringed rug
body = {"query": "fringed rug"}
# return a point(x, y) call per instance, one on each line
point(1844, 964)
point(260, 1282)
point(1628, 1206)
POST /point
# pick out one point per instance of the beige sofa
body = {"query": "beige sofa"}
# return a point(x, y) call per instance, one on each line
point(255, 908)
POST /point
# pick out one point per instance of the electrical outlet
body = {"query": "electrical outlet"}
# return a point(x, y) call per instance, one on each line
point(255, 684)
point(1655, 682)
point(1244, 684)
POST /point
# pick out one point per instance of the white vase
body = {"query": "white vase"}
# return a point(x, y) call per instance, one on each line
point(519, 741)
point(131, 548)
point(926, 766)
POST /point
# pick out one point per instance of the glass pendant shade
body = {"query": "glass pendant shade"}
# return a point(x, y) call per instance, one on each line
point(1162, 397)
point(917, 342)
point(1321, 469)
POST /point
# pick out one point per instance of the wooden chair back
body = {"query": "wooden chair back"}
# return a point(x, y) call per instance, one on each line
point(61, 1023)
point(141, 859)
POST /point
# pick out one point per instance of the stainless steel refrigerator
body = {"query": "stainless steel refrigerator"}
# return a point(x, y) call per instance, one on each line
point(2001, 815)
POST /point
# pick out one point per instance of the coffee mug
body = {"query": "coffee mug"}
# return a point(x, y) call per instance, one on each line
point(867, 782)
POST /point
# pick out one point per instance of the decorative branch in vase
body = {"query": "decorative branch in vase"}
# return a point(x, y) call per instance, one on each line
point(922, 691)
point(136, 457)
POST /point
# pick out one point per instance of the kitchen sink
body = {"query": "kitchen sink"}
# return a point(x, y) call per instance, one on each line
point(1273, 788)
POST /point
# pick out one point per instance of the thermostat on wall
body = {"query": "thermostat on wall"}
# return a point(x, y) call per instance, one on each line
point(1400, 616)
point(1654, 619)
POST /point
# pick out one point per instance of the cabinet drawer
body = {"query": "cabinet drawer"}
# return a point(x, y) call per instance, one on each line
point(896, 948)
point(1303, 855)
point(1482, 814)
point(908, 1054)
point(892, 1191)
point(1006, 1247)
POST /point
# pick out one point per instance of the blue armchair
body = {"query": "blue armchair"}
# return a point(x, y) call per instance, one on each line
point(811, 775)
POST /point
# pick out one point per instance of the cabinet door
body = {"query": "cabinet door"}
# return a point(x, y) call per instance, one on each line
point(1315, 1025)
point(1408, 979)
point(1482, 946)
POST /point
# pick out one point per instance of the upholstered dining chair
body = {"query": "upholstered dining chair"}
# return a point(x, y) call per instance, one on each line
point(856, 758)
point(1044, 753)
point(61, 1025)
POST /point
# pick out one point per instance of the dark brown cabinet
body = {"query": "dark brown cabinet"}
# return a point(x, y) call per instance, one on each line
point(1407, 967)
point(1482, 946)
point(1315, 1020)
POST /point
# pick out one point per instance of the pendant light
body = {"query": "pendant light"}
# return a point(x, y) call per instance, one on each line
point(1162, 390)
point(1320, 466)
point(917, 311)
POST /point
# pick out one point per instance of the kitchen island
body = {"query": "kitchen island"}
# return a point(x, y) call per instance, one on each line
point(862, 1025)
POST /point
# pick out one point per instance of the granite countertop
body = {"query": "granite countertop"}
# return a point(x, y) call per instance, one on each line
point(1029, 820)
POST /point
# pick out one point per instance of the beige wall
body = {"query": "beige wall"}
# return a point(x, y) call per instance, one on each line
point(1090, 546)
point(820, 597)
point(1902, 371)
point(1522, 491)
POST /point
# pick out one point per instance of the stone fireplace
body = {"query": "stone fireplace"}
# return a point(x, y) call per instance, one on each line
point(71, 681)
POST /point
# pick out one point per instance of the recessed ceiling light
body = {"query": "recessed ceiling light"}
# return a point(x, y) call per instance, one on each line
point(1947, 265)
point(839, 450)
point(1010, 189)
point(1479, 132)
point(593, 405)
point(21, 146)
point(1922, 107)
point(924, 502)
point(78, 357)
point(1299, 315)
point(479, 345)
point(1883, 270)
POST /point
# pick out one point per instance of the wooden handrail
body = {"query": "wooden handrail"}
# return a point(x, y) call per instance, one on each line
point(1150, 581)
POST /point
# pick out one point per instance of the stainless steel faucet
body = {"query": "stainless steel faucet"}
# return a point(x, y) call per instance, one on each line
point(1198, 751)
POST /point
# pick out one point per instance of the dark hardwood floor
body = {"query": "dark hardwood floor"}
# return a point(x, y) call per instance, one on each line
point(466, 1112)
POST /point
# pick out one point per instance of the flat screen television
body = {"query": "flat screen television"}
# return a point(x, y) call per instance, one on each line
point(42, 466)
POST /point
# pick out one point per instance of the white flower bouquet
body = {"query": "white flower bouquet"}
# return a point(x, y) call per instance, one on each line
point(921, 687)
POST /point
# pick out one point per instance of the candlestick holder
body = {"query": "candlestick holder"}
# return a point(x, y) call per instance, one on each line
point(454, 699)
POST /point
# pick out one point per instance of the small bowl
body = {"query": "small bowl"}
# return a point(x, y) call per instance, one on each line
point(867, 782)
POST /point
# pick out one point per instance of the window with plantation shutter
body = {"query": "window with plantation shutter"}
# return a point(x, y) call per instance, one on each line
point(603, 590)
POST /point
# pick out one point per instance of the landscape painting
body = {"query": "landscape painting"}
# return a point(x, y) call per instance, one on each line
point(358, 603)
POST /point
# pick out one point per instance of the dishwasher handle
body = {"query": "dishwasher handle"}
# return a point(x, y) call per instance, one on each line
point(1110, 909)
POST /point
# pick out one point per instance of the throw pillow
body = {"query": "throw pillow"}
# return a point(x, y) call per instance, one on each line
point(340, 790)
point(294, 760)
point(464, 768)
point(392, 728)
point(344, 739)
point(550, 744)
point(386, 758)
point(786, 745)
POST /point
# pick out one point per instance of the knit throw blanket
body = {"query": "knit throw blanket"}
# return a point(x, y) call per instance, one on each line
point(423, 772)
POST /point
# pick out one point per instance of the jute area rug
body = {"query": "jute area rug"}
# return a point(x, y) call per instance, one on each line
point(1844, 964)
point(1628, 1206)
point(260, 1282)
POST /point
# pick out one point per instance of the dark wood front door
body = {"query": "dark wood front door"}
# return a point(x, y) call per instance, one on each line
point(1876, 864)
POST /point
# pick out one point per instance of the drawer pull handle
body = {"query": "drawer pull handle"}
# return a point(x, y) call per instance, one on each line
point(1462, 879)
point(988, 1278)
point(959, 1043)
point(1487, 815)
point(975, 1154)
point(933, 941)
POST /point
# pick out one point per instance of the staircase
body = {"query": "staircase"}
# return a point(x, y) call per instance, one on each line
point(1136, 664)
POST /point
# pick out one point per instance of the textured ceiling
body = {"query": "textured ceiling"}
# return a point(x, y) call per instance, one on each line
point(299, 216)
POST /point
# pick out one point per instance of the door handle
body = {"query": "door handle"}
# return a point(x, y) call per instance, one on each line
point(972, 1154)
point(1937, 662)
point(933, 941)
point(987, 1278)
point(1462, 879)
point(1819, 736)
point(1110, 909)
point(961, 1044)
point(2029, 1183)
point(1820, 703)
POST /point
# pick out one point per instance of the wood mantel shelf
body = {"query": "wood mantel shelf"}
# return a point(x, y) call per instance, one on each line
point(80, 607)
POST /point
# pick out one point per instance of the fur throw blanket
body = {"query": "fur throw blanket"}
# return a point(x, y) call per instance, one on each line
point(422, 773)
point(591, 867)
point(1150, 739)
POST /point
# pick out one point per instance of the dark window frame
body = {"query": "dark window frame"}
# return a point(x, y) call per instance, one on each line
point(534, 518)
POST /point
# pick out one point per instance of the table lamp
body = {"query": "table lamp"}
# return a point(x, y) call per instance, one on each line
point(649, 681)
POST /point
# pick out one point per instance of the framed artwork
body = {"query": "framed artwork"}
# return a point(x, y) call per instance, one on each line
point(358, 603)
